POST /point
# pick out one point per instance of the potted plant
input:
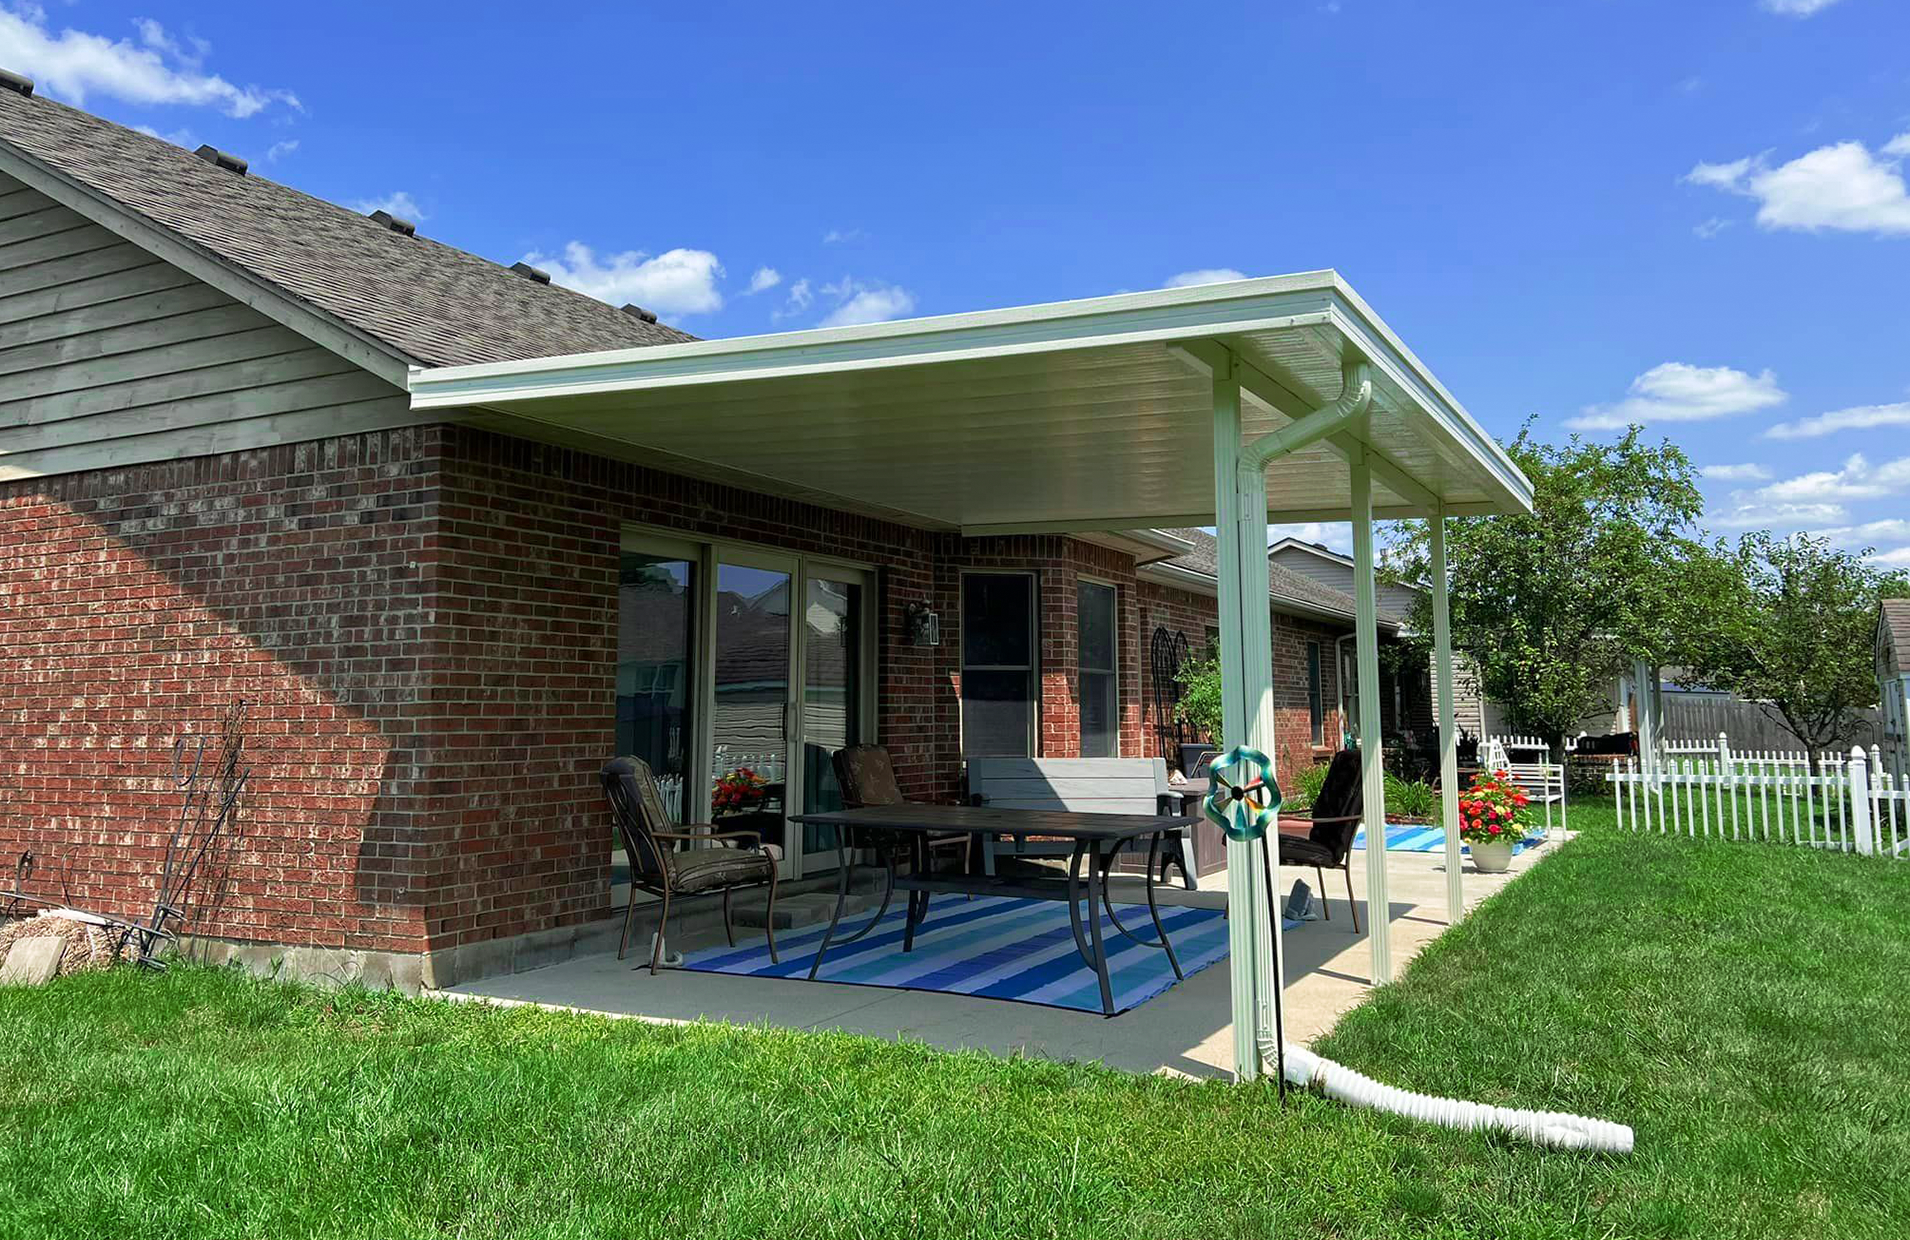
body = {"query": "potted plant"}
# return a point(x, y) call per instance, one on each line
point(1199, 706)
point(738, 792)
point(1490, 820)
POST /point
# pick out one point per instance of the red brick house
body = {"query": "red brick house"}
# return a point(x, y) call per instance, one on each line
point(213, 486)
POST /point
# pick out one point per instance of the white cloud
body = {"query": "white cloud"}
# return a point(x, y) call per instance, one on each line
point(673, 282)
point(1711, 227)
point(1841, 186)
point(279, 150)
point(800, 298)
point(1796, 8)
point(178, 137)
point(764, 278)
point(1857, 480)
point(156, 36)
point(157, 70)
point(1900, 558)
point(867, 303)
point(842, 236)
point(1736, 473)
point(1719, 176)
point(1750, 514)
point(399, 203)
point(1677, 392)
point(1204, 275)
point(1860, 418)
point(1336, 535)
point(1888, 530)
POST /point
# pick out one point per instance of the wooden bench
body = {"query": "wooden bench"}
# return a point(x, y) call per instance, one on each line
point(1079, 786)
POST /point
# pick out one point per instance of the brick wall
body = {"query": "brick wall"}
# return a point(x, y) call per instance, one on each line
point(424, 625)
point(1058, 564)
point(136, 604)
point(1194, 616)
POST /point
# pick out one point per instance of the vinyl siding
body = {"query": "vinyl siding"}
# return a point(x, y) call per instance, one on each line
point(111, 357)
point(1395, 600)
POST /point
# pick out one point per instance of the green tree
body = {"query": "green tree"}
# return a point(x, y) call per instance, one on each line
point(1607, 568)
point(1796, 635)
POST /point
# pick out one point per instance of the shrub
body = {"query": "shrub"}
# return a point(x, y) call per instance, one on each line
point(1199, 706)
point(1410, 798)
point(1303, 788)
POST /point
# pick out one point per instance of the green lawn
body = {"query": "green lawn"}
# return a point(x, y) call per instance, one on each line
point(1746, 1007)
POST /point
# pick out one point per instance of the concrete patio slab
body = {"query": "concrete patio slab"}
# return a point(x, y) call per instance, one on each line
point(1183, 1032)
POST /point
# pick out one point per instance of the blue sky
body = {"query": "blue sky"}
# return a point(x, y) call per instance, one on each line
point(1691, 214)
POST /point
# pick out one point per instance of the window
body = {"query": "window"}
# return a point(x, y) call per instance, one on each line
point(998, 665)
point(1100, 709)
point(1315, 700)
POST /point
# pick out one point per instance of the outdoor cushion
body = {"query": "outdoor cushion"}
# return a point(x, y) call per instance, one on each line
point(700, 869)
point(1295, 851)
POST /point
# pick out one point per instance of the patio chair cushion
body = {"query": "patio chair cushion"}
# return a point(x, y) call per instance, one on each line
point(1296, 851)
point(867, 776)
point(705, 869)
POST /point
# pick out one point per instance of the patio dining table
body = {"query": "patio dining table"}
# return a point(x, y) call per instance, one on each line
point(1097, 839)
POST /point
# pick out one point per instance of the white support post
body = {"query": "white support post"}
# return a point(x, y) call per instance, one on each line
point(1858, 773)
point(1246, 664)
point(1448, 733)
point(1372, 760)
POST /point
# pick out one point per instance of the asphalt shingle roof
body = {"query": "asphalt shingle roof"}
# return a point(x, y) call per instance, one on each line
point(432, 303)
point(1284, 584)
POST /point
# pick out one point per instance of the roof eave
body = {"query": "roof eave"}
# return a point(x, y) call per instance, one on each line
point(1177, 577)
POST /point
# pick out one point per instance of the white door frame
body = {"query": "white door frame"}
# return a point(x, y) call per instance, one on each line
point(707, 554)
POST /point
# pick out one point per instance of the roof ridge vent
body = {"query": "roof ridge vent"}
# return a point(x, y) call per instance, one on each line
point(537, 275)
point(222, 159)
point(396, 223)
point(18, 83)
point(635, 311)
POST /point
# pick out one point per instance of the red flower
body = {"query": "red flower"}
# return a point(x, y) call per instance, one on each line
point(1494, 829)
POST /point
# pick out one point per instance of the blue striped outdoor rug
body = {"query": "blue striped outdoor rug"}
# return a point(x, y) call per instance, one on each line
point(1405, 837)
point(994, 947)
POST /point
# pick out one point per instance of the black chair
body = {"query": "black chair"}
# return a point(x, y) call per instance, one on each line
point(1328, 843)
point(737, 861)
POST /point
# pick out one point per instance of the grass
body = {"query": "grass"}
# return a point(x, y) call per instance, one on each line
point(1743, 1006)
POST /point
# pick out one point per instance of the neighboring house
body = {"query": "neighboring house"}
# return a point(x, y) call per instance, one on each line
point(1893, 683)
point(1410, 696)
point(1640, 699)
point(213, 486)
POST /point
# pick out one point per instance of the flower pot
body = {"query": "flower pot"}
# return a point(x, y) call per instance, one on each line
point(1491, 858)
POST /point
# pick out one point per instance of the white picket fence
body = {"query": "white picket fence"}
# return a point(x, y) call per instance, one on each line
point(1846, 803)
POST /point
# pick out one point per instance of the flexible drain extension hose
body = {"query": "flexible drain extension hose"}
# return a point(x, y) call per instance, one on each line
point(1569, 1132)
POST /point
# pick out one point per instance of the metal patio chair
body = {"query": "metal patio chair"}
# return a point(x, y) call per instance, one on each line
point(1328, 843)
point(867, 777)
point(729, 861)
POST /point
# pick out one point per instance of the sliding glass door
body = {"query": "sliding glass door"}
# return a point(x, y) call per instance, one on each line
point(740, 672)
point(832, 695)
point(658, 587)
point(752, 644)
